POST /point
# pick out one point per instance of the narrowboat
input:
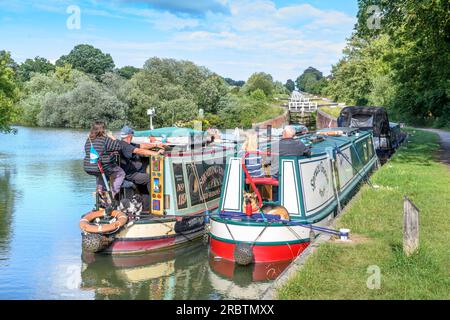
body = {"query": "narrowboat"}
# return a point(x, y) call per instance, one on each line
point(311, 190)
point(185, 185)
point(387, 135)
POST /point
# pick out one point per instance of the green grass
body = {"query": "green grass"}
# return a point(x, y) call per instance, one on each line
point(332, 111)
point(273, 110)
point(339, 271)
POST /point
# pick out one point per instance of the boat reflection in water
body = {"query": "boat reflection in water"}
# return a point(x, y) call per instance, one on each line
point(169, 274)
point(243, 282)
point(183, 273)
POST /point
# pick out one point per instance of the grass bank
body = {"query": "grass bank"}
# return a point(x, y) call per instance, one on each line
point(340, 271)
point(332, 111)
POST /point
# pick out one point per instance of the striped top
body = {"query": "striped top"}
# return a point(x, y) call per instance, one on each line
point(105, 148)
point(253, 162)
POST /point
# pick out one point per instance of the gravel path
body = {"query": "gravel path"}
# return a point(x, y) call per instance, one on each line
point(444, 152)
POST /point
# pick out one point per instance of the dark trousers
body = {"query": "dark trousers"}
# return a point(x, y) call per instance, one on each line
point(140, 178)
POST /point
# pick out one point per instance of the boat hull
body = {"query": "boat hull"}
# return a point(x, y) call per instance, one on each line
point(148, 244)
point(156, 234)
point(270, 242)
point(262, 253)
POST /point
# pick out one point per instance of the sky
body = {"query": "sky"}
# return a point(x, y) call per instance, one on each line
point(234, 38)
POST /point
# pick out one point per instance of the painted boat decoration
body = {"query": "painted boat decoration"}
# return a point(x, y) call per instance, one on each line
point(185, 184)
point(311, 189)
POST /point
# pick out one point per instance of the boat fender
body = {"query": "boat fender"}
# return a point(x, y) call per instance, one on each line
point(243, 254)
point(94, 242)
point(205, 239)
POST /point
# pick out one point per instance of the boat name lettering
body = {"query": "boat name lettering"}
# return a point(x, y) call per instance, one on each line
point(320, 169)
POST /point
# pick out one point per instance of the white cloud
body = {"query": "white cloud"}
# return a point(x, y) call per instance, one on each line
point(255, 35)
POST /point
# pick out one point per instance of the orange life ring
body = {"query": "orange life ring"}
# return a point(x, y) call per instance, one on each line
point(87, 225)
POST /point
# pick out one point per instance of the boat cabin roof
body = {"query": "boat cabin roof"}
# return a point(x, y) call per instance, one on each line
point(320, 143)
point(169, 132)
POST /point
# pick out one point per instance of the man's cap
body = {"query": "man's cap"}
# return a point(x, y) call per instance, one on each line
point(126, 131)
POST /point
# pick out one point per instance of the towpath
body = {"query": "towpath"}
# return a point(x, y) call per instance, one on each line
point(444, 152)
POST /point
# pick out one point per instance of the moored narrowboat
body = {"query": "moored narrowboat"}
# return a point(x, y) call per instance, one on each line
point(311, 190)
point(185, 185)
point(387, 135)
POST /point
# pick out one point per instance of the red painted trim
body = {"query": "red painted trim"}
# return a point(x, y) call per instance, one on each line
point(119, 246)
point(261, 271)
point(132, 261)
point(261, 253)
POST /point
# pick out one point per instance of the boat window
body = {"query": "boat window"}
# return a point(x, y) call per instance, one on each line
point(363, 152)
point(370, 147)
point(180, 185)
point(361, 121)
point(208, 177)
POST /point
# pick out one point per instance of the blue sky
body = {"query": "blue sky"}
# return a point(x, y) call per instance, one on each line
point(231, 37)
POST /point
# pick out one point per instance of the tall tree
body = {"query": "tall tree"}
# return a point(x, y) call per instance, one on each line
point(310, 81)
point(260, 80)
point(290, 85)
point(127, 72)
point(8, 92)
point(37, 65)
point(398, 57)
point(89, 59)
point(236, 83)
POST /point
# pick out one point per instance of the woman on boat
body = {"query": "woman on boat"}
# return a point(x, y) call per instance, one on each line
point(253, 161)
point(107, 148)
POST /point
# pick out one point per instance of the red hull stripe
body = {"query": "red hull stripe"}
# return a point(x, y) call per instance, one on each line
point(136, 245)
point(262, 253)
point(141, 245)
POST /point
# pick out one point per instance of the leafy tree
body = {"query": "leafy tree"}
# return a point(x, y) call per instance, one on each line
point(290, 85)
point(70, 98)
point(127, 72)
point(166, 84)
point(35, 92)
point(211, 92)
point(231, 82)
point(10, 63)
point(116, 85)
point(311, 81)
point(8, 92)
point(401, 65)
point(260, 80)
point(279, 88)
point(77, 108)
point(88, 59)
point(37, 65)
point(258, 94)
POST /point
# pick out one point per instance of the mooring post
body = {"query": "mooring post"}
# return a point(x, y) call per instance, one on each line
point(410, 227)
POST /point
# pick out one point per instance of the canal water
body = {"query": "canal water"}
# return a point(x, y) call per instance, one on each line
point(43, 193)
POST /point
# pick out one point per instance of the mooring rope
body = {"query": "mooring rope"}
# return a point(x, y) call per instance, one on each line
point(365, 177)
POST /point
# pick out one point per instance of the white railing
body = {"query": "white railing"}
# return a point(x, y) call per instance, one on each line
point(298, 102)
point(302, 106)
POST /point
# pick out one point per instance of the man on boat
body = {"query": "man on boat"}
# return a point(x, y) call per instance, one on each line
point(130, 158)
point(287, 146)
point(290, 147)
